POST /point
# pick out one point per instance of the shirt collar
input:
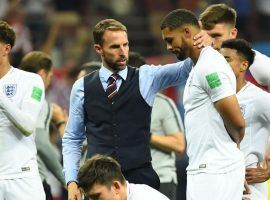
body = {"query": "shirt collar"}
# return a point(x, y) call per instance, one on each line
point(105, 73)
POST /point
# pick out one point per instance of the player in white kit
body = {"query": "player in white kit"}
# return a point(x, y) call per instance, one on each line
point(213, 120)
point(219, 21)
point(21, 98)
point(255, 107)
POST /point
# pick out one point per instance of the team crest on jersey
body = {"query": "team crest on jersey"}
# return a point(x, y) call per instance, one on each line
point(10, 90)
point(243, 109)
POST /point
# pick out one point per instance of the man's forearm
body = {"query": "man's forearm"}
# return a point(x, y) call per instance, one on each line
point(24, 121)
point(71, 157)
point(168, 143)
point(236, 133)
point(234, 122)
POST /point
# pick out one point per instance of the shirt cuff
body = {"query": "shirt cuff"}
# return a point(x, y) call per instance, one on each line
point(70, 177)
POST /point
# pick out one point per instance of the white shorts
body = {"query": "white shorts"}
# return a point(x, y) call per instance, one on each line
point(26, 188)
point(226, 186)
point(259, 191)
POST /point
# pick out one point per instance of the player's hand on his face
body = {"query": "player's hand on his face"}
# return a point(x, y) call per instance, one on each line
point(74, 192)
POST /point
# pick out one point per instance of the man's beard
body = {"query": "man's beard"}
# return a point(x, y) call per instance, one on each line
point(114, 65)
point(182, 54)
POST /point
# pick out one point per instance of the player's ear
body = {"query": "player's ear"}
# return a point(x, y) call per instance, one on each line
point(187, 32)
point(7, 49)
point(98, 49)
point(244, 66)
point(233, 33)
point(41, 72)
point(116, 186)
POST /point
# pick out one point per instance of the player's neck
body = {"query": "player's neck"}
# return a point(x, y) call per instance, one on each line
point(123, 193)
point(4, 68)
point(195, 54)
point(240, 83)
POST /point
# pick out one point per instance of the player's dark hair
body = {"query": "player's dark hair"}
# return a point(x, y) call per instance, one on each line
point(7, 34)
point(177, 18)
point(101, 170)
point(242, 47)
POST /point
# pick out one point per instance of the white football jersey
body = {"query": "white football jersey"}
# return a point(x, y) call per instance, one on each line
point(21, 98)
point(142, 191)
point(209, 146)
point(255, 107)
point(260, 71)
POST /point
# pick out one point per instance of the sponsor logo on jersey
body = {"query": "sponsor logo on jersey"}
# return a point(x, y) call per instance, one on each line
point(25, 169)
point(213, 80)
point(202, 166)
point(10, 90)
point(36, 93)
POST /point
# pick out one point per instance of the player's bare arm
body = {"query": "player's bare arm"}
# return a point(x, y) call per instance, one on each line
point(170, 142)
point(25, 116)
point(234, 122)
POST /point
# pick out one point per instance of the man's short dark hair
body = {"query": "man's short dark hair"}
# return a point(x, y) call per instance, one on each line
point(89, 67)
point(101, 170)
point(135, 59)
point(7, 34)
point(242, 47)
point(36, 61)
point(106, 24)
point(218, 13)
point(177, 18)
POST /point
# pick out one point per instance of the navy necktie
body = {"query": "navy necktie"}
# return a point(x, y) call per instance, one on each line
point(111, 90)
